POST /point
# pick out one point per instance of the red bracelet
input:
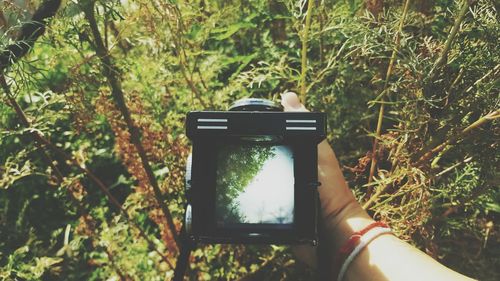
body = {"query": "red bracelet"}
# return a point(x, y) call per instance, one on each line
point(351, 244)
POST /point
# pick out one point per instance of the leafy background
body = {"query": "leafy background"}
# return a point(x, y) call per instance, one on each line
point(92, 143)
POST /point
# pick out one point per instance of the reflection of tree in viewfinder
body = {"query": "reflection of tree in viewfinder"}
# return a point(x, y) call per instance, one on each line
point(254, 184)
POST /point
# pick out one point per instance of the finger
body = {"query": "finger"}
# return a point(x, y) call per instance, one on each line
point(291, 102)
point(304, 253)
point(334, 191)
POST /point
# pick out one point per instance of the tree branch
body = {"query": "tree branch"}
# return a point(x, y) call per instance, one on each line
point(82, 211)
point(24, 122)
point(447, 45)
point(30, 32)
point(110, 71)
point(303, 56)
point(384, 91)
point(44, 142)
point(452, 140)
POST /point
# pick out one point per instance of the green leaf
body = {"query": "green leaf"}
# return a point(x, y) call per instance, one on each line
point(228, 31)
point(162, 172)
point(194, 31)
point(494, 207)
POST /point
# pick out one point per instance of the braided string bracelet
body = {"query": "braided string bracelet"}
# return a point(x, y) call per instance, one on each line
point(356, 243)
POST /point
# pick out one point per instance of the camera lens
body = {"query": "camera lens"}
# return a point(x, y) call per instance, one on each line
point(255, 104)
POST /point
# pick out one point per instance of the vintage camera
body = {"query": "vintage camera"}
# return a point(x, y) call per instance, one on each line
point(252, 175)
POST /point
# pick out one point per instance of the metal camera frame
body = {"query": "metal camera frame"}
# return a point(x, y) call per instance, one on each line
point(249, 120)
point(252, 121)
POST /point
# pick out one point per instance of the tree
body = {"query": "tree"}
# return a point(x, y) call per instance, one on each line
point(237, 166)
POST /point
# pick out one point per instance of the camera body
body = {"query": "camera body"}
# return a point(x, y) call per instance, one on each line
point(252, 176)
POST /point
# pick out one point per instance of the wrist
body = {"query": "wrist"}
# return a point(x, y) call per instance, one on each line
point(351, 218)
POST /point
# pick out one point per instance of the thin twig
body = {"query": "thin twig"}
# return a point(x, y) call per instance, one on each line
point(384, 91)
point(30, 32)
point(180, 50)
point(80, 207)
point(26, 40)
point(305, 37)
point(447, 45)
point(493, 71)
point(110, 71)
point(39, 138)
point(376, 195)
point(478, 123)
point(466, 160)
point(453, 208)
point(24, 121)
point(123, 276)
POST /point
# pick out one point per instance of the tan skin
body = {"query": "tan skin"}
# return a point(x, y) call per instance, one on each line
point(386, 257)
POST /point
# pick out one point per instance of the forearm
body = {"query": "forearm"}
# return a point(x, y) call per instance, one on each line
point(389, 258)
point(386, 257)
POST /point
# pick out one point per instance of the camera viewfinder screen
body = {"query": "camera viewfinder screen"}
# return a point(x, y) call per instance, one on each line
point(254, 184)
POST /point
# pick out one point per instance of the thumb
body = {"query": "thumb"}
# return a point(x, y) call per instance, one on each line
point(291, 102)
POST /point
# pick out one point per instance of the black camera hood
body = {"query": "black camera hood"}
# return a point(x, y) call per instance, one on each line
point(286, 125)
point(211, 131)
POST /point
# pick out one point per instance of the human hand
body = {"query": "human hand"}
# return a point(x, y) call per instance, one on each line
point(341, 213)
